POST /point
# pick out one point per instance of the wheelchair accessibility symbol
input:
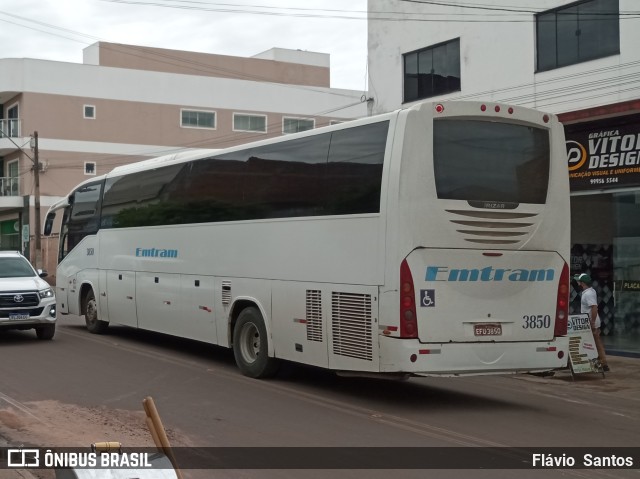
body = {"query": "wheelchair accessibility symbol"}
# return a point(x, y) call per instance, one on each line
point(427, 298)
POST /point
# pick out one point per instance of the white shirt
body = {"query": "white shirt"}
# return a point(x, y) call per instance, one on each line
point(589, 298)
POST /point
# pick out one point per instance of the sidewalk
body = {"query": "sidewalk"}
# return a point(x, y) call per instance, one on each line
point(17, 474)
point(623, 381)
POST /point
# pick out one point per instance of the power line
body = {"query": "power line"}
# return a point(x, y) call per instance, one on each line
point(403, 16)
point(470, 6)
point(510, 9)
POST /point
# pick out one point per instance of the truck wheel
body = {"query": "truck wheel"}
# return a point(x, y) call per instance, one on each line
point(94, 325)
point(46, 332)
point(250, 345)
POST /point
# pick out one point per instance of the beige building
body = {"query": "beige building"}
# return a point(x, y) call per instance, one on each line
point(127, 103)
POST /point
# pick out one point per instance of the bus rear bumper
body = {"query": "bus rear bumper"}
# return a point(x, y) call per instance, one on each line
point(462, 359)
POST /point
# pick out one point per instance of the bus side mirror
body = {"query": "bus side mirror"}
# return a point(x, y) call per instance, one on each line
point(48, 224)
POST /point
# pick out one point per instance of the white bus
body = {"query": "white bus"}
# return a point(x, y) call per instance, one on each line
point(433, 240)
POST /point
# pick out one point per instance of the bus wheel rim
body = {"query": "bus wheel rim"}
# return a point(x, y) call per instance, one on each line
point(91, 311)
point(250, 342)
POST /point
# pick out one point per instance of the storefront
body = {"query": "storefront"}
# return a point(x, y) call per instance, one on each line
point(10, 235)
point(604, 166)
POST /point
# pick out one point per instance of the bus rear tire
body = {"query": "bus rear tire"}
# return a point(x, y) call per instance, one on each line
point(250, 346)
point(94, 324)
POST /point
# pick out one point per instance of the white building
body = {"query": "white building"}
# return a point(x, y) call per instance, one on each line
point(543, 54)
point(579, 60)
point(125, 103)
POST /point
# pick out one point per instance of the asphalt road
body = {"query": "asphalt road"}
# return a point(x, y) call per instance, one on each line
point(205, 401)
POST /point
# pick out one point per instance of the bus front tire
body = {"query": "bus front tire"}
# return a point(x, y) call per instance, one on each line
point(250, 346)
point(94, 325)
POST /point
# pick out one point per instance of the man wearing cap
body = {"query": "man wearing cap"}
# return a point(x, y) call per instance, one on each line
point(589, 305)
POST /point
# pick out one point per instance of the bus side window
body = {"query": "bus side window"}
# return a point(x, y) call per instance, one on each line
point(48, 224)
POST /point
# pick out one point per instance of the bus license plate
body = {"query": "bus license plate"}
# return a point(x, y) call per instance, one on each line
point(487, 329)
point(18, 316)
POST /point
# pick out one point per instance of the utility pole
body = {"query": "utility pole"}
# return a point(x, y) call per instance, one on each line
point(36, 180)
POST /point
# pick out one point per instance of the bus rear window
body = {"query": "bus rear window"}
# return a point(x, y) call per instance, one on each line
point(490, 161)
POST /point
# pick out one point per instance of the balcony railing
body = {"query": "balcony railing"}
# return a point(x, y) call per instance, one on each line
point(9, 186)
point(10, 127)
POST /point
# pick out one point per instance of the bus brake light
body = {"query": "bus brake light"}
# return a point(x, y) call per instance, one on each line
point(562, 304)
point(408, 316)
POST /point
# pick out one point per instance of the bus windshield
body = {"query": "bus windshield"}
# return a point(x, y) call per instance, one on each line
point(490, 161)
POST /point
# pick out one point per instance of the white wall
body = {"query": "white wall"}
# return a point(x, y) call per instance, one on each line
point(497, 55)
point(303, 57)
point(92, 81)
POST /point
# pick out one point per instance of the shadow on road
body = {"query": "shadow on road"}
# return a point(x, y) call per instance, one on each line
point(440, 394)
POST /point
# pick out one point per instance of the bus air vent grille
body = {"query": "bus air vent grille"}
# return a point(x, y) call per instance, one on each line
point(351, 325)
point(226, 293)
point(493, 227)
point(314, 315)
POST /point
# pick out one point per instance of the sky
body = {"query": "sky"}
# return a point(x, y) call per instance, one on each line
point(60, 29)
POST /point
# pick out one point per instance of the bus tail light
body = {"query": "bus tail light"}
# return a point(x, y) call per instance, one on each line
point(562, 304)
point(408, 316)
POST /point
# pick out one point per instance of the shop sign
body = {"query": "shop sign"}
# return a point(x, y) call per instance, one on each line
point(628, 285)
point(9, 227)
point(583, 355)
point(603, 157)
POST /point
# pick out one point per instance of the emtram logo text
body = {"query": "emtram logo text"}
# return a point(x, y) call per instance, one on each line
point(442, 273)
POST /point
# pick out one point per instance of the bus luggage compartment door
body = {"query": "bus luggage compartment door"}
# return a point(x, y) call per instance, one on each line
point(485, 296)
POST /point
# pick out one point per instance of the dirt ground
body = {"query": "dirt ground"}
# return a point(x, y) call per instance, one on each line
point(67, 425)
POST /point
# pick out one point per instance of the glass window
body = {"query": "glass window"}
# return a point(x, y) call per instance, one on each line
point(599, 29)
point(17, 267)
point(257, 123)
point(605, 236)
point(296, 125)
point(84, 213)
point(12, 184)
point(13, 119)
point(490, 161)
point(89, 112)
point(546, 36)
point(286, 179)
point(143, 198)
point(354, 173)
point(326, 174)
point(432, 71)
point(198, 119)
point(577, 33)
point(411, 89)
